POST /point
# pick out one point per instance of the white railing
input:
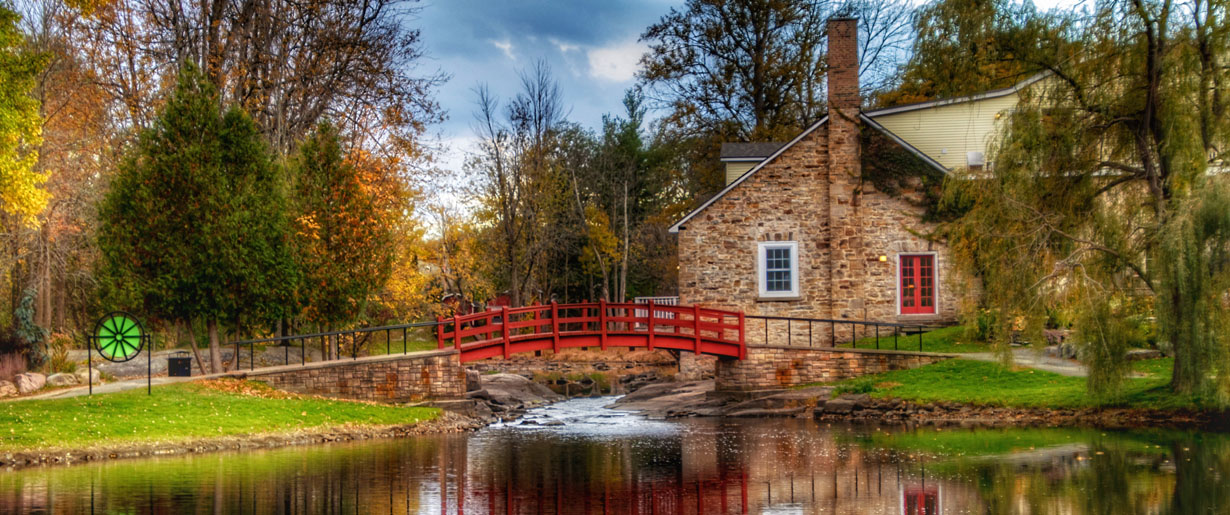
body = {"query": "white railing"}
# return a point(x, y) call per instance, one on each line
point(669, 301)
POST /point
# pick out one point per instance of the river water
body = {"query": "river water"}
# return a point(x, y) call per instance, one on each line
point(578, 457)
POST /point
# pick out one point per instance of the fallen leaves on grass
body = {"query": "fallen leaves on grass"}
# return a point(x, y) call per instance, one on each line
point(246, 388)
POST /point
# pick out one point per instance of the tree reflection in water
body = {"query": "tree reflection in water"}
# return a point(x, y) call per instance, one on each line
point(604, 462)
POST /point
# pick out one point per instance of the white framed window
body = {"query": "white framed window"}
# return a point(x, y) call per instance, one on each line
point(777, 269)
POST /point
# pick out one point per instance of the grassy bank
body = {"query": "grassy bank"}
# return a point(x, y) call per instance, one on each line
point(947, 340)
point(992, 384)
point(181, 412)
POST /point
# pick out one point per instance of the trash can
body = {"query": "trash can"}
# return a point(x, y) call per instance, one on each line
point(179, 365)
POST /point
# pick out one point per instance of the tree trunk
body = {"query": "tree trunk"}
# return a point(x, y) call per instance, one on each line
point(215, 350)
point(196, 351)
point(623, 267)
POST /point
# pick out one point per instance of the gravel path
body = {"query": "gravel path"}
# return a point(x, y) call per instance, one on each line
point(1034, 359)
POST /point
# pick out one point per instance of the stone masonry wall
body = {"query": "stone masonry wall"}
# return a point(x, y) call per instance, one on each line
point(394, 378)
point(769, 368)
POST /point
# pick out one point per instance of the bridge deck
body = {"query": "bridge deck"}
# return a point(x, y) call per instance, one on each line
point(603, 325)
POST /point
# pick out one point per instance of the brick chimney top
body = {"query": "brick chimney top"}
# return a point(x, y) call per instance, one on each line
point(843, 65)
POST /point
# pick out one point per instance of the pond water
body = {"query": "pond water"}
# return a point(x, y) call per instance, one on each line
point(577, 457)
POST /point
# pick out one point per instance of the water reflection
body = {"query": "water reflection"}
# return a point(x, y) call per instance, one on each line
point(578, 458)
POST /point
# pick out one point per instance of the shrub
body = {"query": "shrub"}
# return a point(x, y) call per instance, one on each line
point(857, 386)
point(59, 347)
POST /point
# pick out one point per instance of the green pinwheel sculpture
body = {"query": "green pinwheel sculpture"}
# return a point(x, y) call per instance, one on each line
point(119, 337)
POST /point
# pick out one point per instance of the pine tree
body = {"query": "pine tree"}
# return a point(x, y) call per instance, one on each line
point(194, 225)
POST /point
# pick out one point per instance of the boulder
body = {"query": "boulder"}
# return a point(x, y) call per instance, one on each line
point(473, 380)
point(94, 375)
point(61, 379)
point(7, 389)
point(839, 405)
point(30, 382)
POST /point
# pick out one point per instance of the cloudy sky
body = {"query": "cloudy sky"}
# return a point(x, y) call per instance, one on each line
point(591, 47)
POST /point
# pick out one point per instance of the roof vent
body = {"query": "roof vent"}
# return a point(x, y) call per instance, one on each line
point(973, 159)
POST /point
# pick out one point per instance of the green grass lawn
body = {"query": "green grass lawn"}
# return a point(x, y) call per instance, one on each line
point(180, 412)
point(940, 340)
point(979, 382)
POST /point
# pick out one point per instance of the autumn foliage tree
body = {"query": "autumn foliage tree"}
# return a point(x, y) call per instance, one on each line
point(20, 123)
point(347, 205)
point(194, 225)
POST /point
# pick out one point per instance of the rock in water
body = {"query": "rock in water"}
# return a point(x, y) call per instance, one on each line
point(61, 379)
point(30, 382)
point(7, 389)
point(94, 375)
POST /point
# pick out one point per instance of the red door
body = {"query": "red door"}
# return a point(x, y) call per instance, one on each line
point(918, 284)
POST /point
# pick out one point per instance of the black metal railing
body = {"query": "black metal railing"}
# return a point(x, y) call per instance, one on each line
point(322, 339)
point(770, 327)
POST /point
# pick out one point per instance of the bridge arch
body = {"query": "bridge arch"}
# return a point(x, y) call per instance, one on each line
point(507, 331)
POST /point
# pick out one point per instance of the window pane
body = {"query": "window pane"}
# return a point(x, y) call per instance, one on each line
point(778, 270)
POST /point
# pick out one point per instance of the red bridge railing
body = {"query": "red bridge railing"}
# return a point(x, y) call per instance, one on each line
point(509, 331)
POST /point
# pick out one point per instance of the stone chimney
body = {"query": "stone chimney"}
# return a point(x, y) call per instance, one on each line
point(847, 264)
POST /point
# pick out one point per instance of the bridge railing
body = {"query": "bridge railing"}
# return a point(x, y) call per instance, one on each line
point(605, 320)
point(827, 332)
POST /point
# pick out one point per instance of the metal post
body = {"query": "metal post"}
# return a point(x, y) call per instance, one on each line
point(403, 340)
point(387, 337)
point(789, 333)
point(809, 341)
point(302, 351)
point(896, 329)
point(832, 334)
point(236, 356)
point(89, 365)
point(920, 339)
point(149, 368)
point(252, 356)
point(877, 336)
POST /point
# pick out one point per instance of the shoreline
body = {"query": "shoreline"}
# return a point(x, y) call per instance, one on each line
point(697, 399)
point(447, 422)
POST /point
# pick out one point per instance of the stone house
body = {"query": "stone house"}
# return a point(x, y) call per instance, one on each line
point(833, 224)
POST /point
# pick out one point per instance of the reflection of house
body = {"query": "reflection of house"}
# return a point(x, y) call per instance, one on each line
point(920, 499)
point(831, 224)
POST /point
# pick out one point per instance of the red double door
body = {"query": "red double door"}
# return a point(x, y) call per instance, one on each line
point(917, 284)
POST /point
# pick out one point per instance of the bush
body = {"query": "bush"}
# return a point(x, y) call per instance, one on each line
point(859, 386)
point(59, 347)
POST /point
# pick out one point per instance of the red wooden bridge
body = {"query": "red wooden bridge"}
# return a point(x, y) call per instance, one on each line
point(507, 331)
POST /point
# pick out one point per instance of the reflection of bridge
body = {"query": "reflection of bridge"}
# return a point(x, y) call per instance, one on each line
point(508, 331)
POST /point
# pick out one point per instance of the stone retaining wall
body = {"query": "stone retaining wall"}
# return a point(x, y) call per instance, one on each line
point(782, 367)
point(392, 378)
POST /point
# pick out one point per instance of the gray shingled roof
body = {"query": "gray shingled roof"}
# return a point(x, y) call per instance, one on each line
point(749, 150)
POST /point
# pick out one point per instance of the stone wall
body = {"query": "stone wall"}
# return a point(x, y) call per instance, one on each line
point(392, 378)
point(775, 367)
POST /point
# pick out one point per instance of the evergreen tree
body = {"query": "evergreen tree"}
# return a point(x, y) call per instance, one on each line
point(194, 224)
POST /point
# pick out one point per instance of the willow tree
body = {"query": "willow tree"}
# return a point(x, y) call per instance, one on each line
point(1107, 198)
